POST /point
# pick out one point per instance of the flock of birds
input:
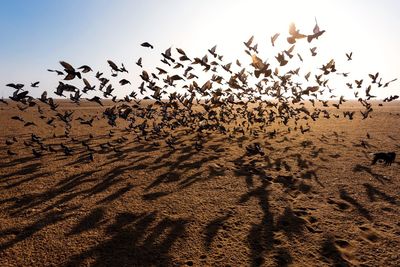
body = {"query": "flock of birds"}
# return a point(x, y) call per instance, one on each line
point(230, 102)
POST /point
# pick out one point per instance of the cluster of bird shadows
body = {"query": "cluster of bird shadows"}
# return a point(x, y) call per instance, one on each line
point(228, 102)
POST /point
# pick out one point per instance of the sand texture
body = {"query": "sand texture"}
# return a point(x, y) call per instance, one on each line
point(312, 199)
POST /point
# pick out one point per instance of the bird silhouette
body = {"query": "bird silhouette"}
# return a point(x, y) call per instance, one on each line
point(71, 72)
point(35, 84)
point(294, 34)
point(85, 68)
point(146, 44)
point(316, 32)
point(349, 55)
point(274, 38)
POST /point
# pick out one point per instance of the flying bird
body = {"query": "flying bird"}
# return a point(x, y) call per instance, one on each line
point(273, 38)
point(294, 34)
point(139, 62)
point(349, 56)
point(35, 84)
point(146, 44)
point(17, 86)
point(85, 68)
point(313, 51)
point(316, 32)
point(71, 72)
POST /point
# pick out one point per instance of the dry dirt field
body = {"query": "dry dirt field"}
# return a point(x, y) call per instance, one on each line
point(313, 199)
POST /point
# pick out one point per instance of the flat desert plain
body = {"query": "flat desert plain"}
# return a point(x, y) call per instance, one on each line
point(312, 199)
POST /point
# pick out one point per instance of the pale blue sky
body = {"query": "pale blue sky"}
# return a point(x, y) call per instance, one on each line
point(37, 34)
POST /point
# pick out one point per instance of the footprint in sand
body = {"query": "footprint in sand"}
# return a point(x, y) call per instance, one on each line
point(342, 243)
point(369, 234)
point(340, 204)
point(339, 251)
point(311, 221)
point(346, 249)
point(189, 263)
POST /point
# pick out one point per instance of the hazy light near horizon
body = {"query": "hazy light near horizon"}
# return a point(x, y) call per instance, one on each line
point(40, 33)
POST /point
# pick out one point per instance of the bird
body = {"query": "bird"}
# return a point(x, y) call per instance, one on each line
point(113, 66)
point(313, 51)
point(124, 81)
point(71, 72)
point(88, 86)
point(212, 51)
point(294, 34)
point(316, 32)
point(281, 59)
point(16, 86)
point(387, 83)
point(254, 149)
point(390, 98)
point(19, 97)
point(248, 43)
point(374, 77)
point(349, 114)
point(146, 44)
point(139, 62)
point(358, 83)
point(349, 55)
point(85, 68)
point(344, 74)
point(273, 38)
point(95, 99)
point(168, 55)
point(56, 71)
point(35, 84)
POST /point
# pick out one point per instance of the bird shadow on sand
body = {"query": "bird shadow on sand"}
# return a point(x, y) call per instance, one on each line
point(261, 180)
point(146, 238)
point(61, 194)
point(187, 159)
point(24, 170)
point(379, 177)
point(374, 193)
point(212, 228)
point(262, 237)
point(331, 254)
point(94, 219)
point(142, 239)
point(16, 162)
point(355, 203)
point(18, 234)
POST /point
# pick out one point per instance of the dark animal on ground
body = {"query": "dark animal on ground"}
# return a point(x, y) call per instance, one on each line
point(388, 158)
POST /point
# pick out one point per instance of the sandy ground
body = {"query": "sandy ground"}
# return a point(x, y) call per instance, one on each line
point(313, 200)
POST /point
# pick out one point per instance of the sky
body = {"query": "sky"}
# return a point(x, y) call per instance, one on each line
point(37, 34)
